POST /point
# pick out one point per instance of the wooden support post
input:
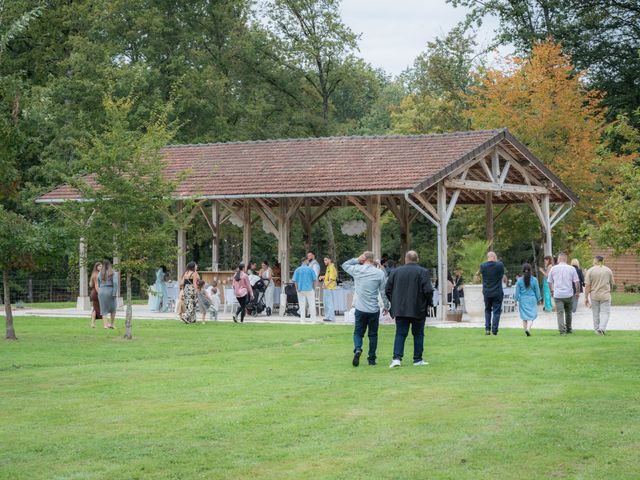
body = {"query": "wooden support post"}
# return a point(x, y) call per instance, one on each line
point(548, 245)
point(83, 302)
point(405, 229)
point(181, 265)
point(284, 226)
point(246, 233)
point(215, 239)
point(374, 230)
point(305, 219)
point(488, 204)
point(442, 250)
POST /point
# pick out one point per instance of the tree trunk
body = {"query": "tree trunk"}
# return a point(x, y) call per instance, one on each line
point(11, 333)
point(127, 322)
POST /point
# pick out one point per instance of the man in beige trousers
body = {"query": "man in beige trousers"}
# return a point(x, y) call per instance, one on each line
point(597, 293)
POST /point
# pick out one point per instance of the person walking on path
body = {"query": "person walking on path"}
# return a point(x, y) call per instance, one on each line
point(160, 302)
point(597, 293)
point(563, 282)
point(548, 263)
point(492, 272)
point(409, 291)
point(189, 286)
point(527, 295)
point(304, 278)
point(266, 274)
point(369, 286)
point(93, 296)
point(575, 263)
point(329, 280)
point(108, 292)
point(243, 292)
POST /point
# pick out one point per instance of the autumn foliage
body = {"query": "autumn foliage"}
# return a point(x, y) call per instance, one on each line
point(545, 104)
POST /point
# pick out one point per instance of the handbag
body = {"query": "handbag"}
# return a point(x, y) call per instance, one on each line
point(180, 307)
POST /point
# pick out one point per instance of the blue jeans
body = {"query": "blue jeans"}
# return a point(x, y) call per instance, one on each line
point(492, 305)
point(327, 300)
point(402, 330)
point(366, 320)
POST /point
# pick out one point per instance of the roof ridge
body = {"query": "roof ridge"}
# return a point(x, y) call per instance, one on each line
point(341, 137)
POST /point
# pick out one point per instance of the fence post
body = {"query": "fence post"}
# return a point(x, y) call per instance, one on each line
point(30, 290)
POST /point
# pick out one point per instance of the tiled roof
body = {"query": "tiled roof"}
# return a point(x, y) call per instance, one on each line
point(313, 165)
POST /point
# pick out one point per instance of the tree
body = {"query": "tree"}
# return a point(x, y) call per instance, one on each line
point(19, 242)
point(313, 43)
point(602, 37)
point(547, 106)
point(620, 215)
point(127, 199)
point(438, 82)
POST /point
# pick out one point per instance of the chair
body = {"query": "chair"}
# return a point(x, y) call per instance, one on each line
point(508, 304)
point(230, 300)
point(319, 302)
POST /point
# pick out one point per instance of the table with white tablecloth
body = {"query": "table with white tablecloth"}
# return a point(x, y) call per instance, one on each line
point(172, 296)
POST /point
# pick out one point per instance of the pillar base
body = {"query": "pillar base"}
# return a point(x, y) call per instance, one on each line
point(84, 304)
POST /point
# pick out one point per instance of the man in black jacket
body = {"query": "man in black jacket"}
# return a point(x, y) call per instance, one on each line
point(409, 290)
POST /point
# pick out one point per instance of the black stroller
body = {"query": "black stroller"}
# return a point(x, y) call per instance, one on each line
point(292, 307)
point(257, 304)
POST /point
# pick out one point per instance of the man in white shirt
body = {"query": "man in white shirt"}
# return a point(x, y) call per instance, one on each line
point(313, 263)
point(562, 279)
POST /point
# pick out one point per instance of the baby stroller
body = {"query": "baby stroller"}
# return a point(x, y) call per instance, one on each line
point(257, 304)
point(292, 307)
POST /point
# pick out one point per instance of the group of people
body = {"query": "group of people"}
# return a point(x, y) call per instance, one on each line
point(196, 296)
point(562, 282)
point(104, 285)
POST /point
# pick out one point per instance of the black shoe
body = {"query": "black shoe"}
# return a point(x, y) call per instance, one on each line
point(356, 358)
point(487, 332)
point(326, 320)
point(494, 333)
point(569, 331)
point(527, 333)
point(235, 318)
point(372, 362)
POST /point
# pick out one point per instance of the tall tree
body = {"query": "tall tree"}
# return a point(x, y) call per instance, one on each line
point(547, 106)
point(128, 195)
point(314, 44)
point(602, 37)
point(438, 82)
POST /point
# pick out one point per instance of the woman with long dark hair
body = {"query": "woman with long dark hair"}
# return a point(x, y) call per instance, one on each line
point(189, 286)
point(242, 290)
point(108, 291)
point(527, 295)
point(93, 286)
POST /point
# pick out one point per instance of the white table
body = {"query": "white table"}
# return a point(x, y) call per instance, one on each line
point(172, 295)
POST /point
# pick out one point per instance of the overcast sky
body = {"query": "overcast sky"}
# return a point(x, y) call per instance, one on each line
point(394, 32)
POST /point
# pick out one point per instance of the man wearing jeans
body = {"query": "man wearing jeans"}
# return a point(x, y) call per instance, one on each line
point(492, 272)
point(369, 287)
point(597, 293)
point(562, 280)
point(304, 279)
point(409, 290)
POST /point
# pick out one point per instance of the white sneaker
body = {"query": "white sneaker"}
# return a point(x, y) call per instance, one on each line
point(420, 363)
point(395, 363)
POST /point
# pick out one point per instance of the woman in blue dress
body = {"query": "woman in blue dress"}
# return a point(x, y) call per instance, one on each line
point(548, 263)
point(108, 292)
point(527, 295)
point(160, 298)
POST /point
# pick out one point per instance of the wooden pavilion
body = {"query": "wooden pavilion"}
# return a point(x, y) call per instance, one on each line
point(428, 175)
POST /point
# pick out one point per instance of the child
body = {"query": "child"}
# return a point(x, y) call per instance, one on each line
point(205, 302)
point(212, 291)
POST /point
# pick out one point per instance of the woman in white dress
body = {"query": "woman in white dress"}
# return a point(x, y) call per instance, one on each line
point(266, 274)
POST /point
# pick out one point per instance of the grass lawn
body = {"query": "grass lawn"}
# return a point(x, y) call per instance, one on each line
point(283, 402)
point(625, 298)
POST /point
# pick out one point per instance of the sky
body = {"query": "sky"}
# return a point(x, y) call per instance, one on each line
point(394, 32)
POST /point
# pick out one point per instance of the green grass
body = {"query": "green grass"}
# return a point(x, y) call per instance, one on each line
point(625, 298)
point(264, 401)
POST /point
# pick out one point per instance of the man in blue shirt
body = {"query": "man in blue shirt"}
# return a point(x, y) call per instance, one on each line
point(369, 286)
point(304, 278)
